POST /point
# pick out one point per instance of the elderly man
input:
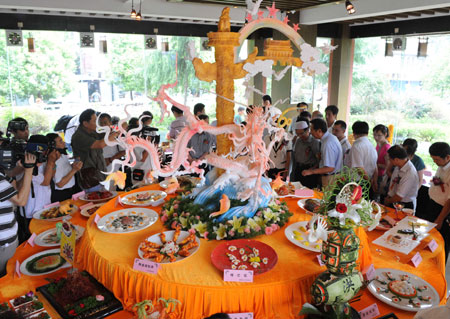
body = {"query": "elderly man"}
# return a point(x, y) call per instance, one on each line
point(404, 180)
point(330, 150)
point(305, 155)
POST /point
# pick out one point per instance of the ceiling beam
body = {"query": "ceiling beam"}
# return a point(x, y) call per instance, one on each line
point(160, 8)
point(336, 12)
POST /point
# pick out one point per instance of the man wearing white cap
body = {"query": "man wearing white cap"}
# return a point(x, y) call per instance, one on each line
point(305, 154)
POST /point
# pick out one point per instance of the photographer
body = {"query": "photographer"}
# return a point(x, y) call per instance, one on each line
point(9, 197)
point(40, 194)
point(64, 184)
point(18, 127)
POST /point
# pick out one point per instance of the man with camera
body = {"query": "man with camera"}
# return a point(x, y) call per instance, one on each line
point(11, 149)
point(9, 197)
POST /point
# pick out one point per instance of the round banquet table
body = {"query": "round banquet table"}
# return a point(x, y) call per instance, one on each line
point(279, 293)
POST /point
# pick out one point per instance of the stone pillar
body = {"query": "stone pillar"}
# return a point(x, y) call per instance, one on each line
point(340, 74)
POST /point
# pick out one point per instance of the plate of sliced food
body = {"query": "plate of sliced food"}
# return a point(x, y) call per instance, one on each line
point(310, 205)
point(297, 234)
point(146, 198)
point(42, 263)
point(50, 238)
point(403, 290)
point(169, 246)
point(99, 196)
point(56, 213)
point(127, 220)
point(90, 210)
point(244, 254)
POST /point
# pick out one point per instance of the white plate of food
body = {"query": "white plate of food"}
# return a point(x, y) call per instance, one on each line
point(169, 246)
point(403, 290)
point(44, 262)
point(99, 196)
point(49, 238)
point(145, 198)
point(56, 212)
point(90, 210)
point(297, 234)
point(127, 220)
point(309, 204)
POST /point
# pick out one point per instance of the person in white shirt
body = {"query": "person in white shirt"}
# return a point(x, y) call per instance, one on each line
point(404, 181)
point(330, 152)
point(64, 178)
point(331, 112)
point(437, 209)
point(338, 130)
point(362, 153)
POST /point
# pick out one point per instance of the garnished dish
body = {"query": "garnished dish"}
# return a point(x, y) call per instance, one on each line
point(127, 220)
point(56, 212)
point(28, 297)
point(403, 290)
point(99, 196)
point(29, 308)
point(80, 296)
point(41, 315)
point(169, 246)
point(42, 263)
point(146, 198)
point(244, 254)
point(297, 234)
point(50, 237)
point(310, 205)
point(90, 210)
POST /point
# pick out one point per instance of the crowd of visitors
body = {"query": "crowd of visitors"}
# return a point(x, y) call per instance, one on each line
point(319, 149)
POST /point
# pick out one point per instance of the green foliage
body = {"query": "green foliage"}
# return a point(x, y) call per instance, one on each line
point(430, 134)
point(135, 69)
point(47, 73)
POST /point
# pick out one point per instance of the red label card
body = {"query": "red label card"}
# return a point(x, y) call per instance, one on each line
point(31, 239)
point(51, 205)
point(246, 315)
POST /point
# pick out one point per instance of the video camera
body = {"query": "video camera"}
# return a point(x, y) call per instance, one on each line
point(147, 131)
point(13, 150)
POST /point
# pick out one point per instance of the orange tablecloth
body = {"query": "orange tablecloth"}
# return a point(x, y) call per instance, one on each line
point(279, 293)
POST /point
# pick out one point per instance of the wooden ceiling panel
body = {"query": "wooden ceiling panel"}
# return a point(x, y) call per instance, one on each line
point(284, 5)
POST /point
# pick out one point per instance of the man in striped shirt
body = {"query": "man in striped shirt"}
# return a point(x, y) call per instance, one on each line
point(9, 196)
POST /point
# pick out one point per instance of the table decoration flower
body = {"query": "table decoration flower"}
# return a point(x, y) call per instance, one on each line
point(345, 205)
